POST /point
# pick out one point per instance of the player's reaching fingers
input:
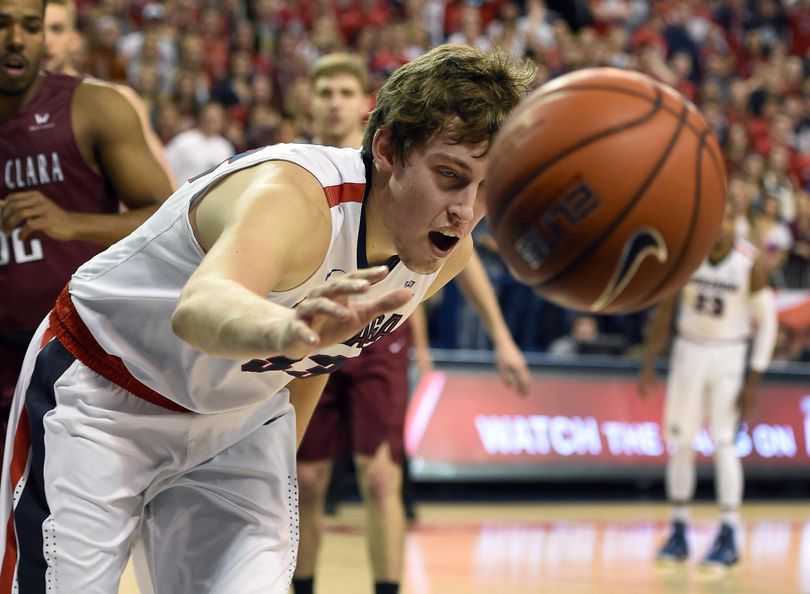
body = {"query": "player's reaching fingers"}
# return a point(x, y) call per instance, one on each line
point(372, 275)
point(389, 302)
point(522, 380)
point(341, 286)
point(322, 306)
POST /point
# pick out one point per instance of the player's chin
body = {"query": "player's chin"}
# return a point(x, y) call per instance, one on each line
point(423, 264)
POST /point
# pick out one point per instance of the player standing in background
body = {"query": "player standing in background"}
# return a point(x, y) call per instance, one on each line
point(708, 372)
point(71, 151)
point(364, 403)
point(61, 41)
point(180, 365)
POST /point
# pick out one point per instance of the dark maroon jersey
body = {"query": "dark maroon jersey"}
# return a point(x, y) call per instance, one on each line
point(38, 152)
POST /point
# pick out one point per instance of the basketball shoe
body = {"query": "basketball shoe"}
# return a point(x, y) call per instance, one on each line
point(675, 548)
point(724, 551)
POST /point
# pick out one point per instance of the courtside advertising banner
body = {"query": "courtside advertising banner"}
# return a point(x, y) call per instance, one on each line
point(468, 425)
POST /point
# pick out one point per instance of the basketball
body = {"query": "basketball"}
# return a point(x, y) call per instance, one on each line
point(605, 190)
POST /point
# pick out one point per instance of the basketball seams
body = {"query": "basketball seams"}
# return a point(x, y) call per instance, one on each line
point(507, 198)
point(608, 229)
point(696, 200)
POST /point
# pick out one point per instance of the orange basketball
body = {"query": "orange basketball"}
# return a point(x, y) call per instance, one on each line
point(605, 190)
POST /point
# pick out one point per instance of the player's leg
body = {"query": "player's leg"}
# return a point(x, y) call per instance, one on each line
point(72, 509)
point(379, 398)
point(730, 372)
point(326, 436)
point(228, 525)
point(313, 484)
point(12, 353)
point(682, 419)
point(380, 481)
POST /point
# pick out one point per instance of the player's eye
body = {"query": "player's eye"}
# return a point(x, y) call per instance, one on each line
point(447, 173)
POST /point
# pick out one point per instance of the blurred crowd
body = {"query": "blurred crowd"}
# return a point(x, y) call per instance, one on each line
point(744, 62)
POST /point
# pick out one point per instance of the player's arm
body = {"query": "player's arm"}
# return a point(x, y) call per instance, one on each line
point(421, 342)
point(658, 334)
point(763, 310)
point(112, 138)
point(150, 136)
point(304, 396)
point(478, 291)
point(124, 158)
point(267, 229)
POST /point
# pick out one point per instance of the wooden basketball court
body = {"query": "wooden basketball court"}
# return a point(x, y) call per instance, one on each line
point(568, 549)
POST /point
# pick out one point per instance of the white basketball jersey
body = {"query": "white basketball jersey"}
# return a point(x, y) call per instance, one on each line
point(715, 302)
point(127, 294)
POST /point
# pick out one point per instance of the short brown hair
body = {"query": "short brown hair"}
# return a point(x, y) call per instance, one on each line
point(340, 63)
point(70, 7)
point(452, 87)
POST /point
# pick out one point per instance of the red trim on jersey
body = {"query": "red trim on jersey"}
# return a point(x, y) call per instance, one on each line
point(19, 460)
point(46, 338)
point(346, 192)
point(746, 250)
point(75, 336)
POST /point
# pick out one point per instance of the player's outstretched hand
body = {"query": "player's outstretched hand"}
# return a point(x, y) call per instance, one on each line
point(646, 382)
point(512, 366)
point(329, 315)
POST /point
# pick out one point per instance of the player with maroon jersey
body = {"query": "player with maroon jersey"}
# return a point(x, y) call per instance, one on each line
point(71, 151)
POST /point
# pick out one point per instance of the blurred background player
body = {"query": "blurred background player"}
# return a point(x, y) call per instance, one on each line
point(716, 309)
point(72, 152)
point(364, 403)
point(62, 42)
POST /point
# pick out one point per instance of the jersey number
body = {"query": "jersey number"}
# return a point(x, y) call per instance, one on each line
point(713, 306)
point(21, 251)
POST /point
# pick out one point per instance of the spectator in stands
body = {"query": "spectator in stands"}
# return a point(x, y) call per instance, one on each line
point(194, 151)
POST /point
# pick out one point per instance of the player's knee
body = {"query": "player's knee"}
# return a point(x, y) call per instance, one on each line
point(381, 479)
point(678, 439)
point(312, 483)
point(380, 486)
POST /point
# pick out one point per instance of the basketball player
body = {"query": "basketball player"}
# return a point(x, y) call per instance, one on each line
point(365, 402)
point(165, 393)
point(708, 372)
point(61, 41)
point(71, 152)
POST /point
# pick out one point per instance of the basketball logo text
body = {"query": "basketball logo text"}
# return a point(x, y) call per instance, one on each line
point(565, 215)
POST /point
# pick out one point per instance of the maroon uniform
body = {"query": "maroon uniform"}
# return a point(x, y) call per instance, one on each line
point(363, 404)
point(38, 152)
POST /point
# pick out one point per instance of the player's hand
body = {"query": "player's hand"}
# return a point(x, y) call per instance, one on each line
point(512, 366)
point(33, 211)
point(423, 360)
point(646, 382)
point(328, 316)
point(747, 398)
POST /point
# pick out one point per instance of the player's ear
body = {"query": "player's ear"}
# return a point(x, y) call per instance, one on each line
point(382, 149)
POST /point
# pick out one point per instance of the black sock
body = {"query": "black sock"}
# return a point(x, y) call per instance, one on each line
point(386, 588)
point(303, 586)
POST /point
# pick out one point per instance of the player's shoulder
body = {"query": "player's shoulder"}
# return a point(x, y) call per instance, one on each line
point(746, 248)
point(107, 97)
point(333, 167)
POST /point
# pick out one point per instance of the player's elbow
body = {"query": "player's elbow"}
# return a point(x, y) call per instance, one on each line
point(180, 322)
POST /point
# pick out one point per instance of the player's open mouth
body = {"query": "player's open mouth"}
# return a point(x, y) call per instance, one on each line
point(442, 242)
point(13, 66)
